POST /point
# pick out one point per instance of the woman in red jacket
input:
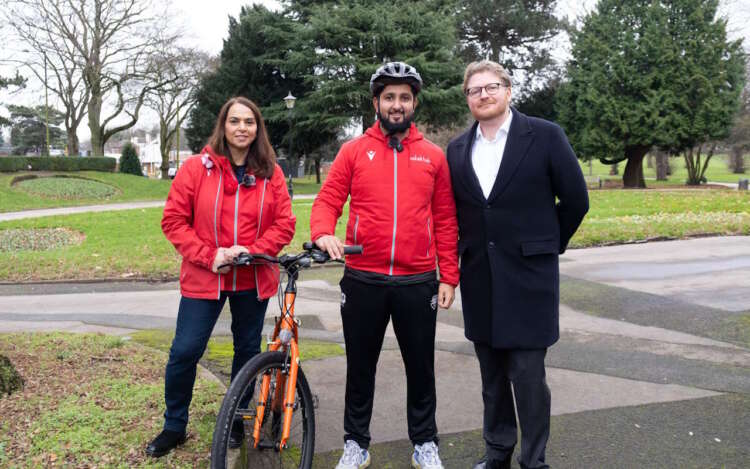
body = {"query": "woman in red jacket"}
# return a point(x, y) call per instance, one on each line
point(232, 198)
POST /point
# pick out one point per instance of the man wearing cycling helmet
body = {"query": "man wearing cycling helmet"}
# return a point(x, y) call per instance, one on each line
point(402, 213)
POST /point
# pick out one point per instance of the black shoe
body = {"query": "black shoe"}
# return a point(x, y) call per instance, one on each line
point(487, 463)
point(164, 443)
point(236, 435)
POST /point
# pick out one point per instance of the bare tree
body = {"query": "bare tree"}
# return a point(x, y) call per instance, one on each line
point(107, 45)
point(180, 69)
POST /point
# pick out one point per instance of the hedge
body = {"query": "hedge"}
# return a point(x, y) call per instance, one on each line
point(61, 163)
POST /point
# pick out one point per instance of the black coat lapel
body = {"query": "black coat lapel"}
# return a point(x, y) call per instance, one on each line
point(519, 140)
point(470, 177)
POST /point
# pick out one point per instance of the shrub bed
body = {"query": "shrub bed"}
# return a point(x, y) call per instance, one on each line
point(66, 163)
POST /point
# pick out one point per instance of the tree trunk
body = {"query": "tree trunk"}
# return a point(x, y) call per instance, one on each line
point(95, 113)
point(650, 160)
point(662, 165)
point(737, 160)
point(73, 143)
point(317, 170)
point(632, 177)
point(614, 170)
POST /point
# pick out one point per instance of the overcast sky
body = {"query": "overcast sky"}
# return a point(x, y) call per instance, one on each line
point(204, 25)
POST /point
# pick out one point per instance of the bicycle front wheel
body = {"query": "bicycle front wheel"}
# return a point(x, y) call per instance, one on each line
point(238, 414)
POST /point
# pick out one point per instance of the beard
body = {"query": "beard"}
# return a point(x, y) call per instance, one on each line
point(396, 127)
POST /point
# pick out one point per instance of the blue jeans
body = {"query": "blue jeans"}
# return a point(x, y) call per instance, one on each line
point(195, 322)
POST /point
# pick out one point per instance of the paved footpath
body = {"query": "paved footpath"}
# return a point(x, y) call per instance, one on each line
point(652, 369)
point(47, 212)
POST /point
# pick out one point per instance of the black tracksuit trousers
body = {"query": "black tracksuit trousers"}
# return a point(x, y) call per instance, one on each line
point(365, 312)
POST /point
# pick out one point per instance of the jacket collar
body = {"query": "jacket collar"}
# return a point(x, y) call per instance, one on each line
point(375, 132)
point(520, 136)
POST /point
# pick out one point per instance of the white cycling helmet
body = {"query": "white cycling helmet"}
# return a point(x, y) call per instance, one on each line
point(395, 72)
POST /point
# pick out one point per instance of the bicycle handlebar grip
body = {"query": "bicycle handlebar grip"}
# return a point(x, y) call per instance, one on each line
point(308, 245)
point(356, 249)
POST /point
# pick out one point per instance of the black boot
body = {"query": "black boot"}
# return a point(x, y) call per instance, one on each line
point(164, 443)
point(491, 463)
point(237, 434)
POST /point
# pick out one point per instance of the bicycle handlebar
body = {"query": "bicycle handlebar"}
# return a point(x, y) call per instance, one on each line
point(303, 259)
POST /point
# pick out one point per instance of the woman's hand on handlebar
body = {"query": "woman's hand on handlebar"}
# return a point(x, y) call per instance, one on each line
point(220, 259)
point(226, 256)
point(332, 245)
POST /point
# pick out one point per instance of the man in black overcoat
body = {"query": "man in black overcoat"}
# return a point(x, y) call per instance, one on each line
point(520, 196)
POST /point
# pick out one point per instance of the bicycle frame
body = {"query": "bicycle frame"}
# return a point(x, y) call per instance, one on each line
point(284, 338)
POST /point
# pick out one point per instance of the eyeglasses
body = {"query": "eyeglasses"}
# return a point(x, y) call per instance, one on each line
point(490, 88)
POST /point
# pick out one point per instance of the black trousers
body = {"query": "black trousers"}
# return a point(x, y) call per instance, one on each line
point(525, 369)
point(365, 312)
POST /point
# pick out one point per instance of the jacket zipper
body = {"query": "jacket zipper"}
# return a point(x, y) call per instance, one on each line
point(395, 206)
point(257, 234)
point(216, 230)
point(236, 209)
point(356, 225)
point(429, 237)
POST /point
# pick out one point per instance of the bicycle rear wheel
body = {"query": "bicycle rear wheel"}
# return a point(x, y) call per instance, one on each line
point(301, 443)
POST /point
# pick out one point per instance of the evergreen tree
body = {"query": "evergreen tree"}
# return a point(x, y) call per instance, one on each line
point(647, 74)
point(515, 33)
point(28, 131)
point(354, 38)
point(255, 64)
point(129, 162)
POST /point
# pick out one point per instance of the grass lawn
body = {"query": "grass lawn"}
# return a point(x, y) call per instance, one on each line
point(306, 185)
point(130, 244)
point(219, 353)
point(61, 192)
point(94, 401)
point(717, 171)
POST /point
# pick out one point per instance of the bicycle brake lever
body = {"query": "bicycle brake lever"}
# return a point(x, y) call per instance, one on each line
point(243, 259)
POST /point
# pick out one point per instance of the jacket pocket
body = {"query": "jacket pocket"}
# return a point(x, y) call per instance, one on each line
point(533, 248)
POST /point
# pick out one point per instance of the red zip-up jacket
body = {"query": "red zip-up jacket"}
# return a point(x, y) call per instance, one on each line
point(402, 210)
point(200, 216)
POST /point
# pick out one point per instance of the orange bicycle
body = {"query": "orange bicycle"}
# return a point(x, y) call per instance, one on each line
point(267, 418)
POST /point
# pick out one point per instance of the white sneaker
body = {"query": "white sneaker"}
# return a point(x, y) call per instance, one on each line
point(354, 457)
point(426, 456)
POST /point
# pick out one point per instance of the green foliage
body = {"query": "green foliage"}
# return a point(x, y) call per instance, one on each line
point(512, 32)
point(647, 74)
point(6, 82)
point(129, 162)
point(10, 380)
point(541, 102)
point(354, 38)
point(255, 63)
point(45, 163)
point(28, 132)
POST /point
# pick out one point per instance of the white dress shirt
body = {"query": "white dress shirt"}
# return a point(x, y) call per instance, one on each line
point(486, 155)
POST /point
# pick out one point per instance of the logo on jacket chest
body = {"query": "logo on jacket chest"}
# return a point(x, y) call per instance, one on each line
point(371, 154)
point(420, 159)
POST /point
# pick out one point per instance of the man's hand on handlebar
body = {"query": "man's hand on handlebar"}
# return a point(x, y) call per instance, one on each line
point(332, 245)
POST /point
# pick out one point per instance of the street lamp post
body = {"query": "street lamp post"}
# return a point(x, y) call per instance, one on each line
point(46, 106)
point(289, 100)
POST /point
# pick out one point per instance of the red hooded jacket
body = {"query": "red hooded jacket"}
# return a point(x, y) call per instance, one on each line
point(206, 209)
point(402, 210)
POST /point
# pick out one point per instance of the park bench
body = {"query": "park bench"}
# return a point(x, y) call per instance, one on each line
point(593, 182)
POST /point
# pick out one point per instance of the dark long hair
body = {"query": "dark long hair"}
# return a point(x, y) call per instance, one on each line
point(261, 159)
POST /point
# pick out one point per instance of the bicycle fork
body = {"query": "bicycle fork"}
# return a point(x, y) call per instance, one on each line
point(283, 400)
